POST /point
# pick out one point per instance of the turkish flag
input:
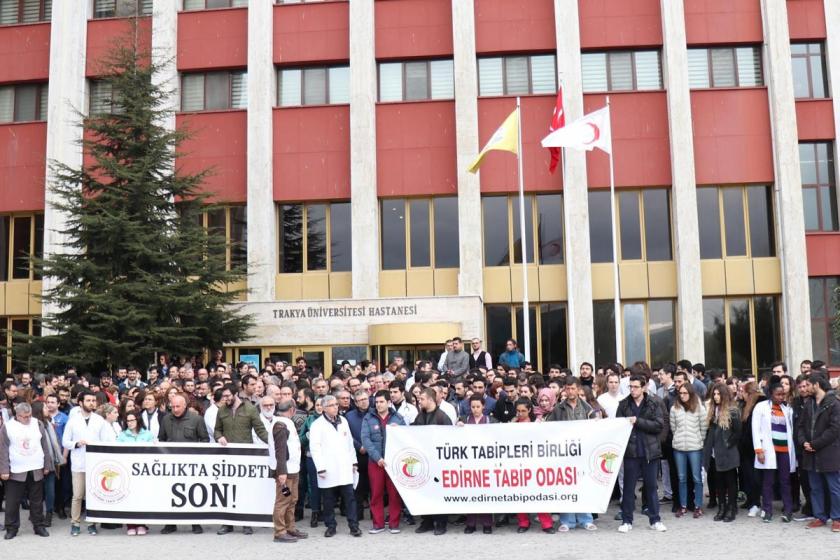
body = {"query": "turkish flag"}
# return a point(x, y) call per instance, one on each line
point(558, 120)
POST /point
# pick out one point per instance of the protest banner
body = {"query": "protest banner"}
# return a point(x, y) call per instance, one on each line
point(507, 468)
point(179, 483)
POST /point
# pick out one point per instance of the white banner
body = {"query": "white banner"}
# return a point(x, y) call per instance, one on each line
point(550, 467)
point(179, 483)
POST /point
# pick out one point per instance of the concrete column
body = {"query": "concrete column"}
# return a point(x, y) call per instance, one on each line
point(470, 275)
point(575, 191)
point(832, 54)
point(790, 218)
point(364, 204)
point(262, 221)
point(68, 50)
point(164, 51)
point(683, 193)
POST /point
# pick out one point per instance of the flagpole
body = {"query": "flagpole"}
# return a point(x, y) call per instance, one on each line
point(616, 298)
point(526, 310)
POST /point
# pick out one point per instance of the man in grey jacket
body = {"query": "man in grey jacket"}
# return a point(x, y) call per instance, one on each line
point(457, 361)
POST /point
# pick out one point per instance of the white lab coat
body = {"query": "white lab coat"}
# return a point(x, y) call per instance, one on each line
point(763, 435)
point(332, 451)
point(77, 430)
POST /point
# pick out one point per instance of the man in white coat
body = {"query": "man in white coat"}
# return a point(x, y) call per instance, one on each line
point(775, 454)
point(331, 446)
point(83, 428)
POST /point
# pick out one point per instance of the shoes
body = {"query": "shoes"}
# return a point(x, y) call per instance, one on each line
point(285, 538)
point(680, 512)
point(720, 512)
point(440, 531)
point(469, 530)
point(298, 515)
point(503, 521)
point(197, 530)
point(835, 526)
point(75, 530)
point(666, 500)
point(787, 517)
point(460, 520)
point(767, 517)
point(698, 513)
point(313, 521)
point(61, 514)
point(523, 530)
point(298, 534)
point(48, 519)
point(169, 529)
point(394, 530)
point(356, 532)
point(247, 531)
point(330, 532)
point(731, 512)
point(816, 524)
point(659, 527)
point(488, 530)
point(423, 528)
point(618, 517)
point(92, 530)
point(377, 530)
point(547, 530)
point(42, 532)
point(625, 528)
point(223, 530)
point(753, 511)
point(802, 517)
point(10, 535)
point(131, 532)
point(142, 530)
point(713, 503)
point(646, 511)
point(563, 528)
point(590, 527)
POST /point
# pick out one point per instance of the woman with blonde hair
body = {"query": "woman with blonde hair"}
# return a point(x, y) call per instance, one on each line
point(720, 451)
point(111, 429)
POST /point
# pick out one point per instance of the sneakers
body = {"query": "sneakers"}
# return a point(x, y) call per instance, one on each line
point(394, 530)
point(625, 528)
point(563, 528)
point(75, 530)
point(816, 524)
point(787, 517)
point(92, 530)
point(802, 517)
point(753, 511)
point(767, 517)
point(142, 530)
point(131, 532)
point(590, 527)
point(835, 526)
point(659, 527)
point(377, 530)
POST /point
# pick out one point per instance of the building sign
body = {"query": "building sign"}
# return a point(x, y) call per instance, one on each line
point(322, 311)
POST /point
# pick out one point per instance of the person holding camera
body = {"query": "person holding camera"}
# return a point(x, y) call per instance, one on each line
point(284, 459)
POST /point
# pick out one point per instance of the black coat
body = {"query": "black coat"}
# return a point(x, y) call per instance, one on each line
point(819, 425)
point(649, 426)
point(724, 442)
point(435, 418)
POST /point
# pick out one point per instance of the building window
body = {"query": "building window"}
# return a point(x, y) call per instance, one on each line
point(724, 67)
point(320, 85)
point(121, 8)
point(13, 330)
point(741, 335)
point(214, 91)
point(547, 322)
point(824, 297)
point(644, 220)
point(736, 222)
point(808, 62)
point(23, 102)
point(543, 229)
point(315, 237)
point(603, 324)
point(230, 223)
point(416, 80)
point(600, 227)
point(517, 75)
point(210, 4)
point(816, 162)
point(103, 100)
point(647, 328)
point(621, 71)
point(421, 232)
point(24, 11)
point(21, 237)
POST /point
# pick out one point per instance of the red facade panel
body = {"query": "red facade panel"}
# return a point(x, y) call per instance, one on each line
point(24, 52)
point(619, 23)
point(415, 148)
point(823, 254)
point(413, 28)
point(709, 22)
point(505, 26)
point(104, 34)
point(213, 39)
point(317, 32)
point(498, 171)
point(312, 153)
point(219, 141)
point(806, 19)
point(641, 146)
point(23, 148)
point(732, 140)
point(815, 119)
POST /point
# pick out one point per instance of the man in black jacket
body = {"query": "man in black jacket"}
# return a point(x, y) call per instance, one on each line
point(643, 452)
point(431, 415)
point(818, 432)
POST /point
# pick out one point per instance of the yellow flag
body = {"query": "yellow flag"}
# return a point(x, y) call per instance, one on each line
point(506, 138)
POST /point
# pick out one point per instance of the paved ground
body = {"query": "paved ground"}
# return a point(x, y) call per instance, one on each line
point(746, 538)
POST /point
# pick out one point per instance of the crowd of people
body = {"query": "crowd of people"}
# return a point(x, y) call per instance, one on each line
point(743, 442)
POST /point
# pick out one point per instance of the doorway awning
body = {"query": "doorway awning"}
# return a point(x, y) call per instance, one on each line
point(396, 334)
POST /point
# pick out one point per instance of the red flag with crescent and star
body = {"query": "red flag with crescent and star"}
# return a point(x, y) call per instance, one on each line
point(558, 120)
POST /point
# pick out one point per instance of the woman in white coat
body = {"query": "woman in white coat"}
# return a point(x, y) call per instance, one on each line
point(331, 446)
point(772, 429)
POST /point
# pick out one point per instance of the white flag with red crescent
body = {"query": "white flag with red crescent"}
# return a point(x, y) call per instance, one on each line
point(588, 132)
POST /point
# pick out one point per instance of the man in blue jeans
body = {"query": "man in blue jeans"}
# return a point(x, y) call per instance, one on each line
point(643, 452)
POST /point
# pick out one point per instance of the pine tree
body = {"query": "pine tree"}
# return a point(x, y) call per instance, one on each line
point(138, 273)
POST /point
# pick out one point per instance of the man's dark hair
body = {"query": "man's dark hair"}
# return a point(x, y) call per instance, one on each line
point(573, 381)
point(217, 395)
point(458, 338)
point(509, 381)
point(397, 384)
point(475, 397)
point(670, 367)
point(684, 364)
point(429, 392)
point(681, 374)
point(821, 381)
point(779, 363)
point(699, 367)
point(587, 364)
point(384, 394)
point(639, 378)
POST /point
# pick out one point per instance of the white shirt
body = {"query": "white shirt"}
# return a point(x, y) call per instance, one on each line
point(408, 411)
point(293, 444)
point(210, 420)
point(25, 451)
point(610, 403)
point(79, 428)
point(449, 410)
point(151, 421)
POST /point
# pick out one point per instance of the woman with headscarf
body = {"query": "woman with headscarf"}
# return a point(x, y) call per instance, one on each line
point(546, 400)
